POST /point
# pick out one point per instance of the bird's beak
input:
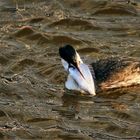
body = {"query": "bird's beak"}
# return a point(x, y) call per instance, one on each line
point(78, 68)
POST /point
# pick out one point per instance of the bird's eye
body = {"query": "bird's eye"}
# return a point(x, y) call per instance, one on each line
point(74, 60)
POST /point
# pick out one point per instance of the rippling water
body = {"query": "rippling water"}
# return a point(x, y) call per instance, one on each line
point(33, 101)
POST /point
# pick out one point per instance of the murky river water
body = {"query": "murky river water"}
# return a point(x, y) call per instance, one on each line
point(33, 101)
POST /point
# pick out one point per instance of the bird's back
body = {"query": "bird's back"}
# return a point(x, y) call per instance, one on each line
point(114, 72)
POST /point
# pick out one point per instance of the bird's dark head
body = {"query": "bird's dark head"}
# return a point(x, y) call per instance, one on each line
point(69, 54)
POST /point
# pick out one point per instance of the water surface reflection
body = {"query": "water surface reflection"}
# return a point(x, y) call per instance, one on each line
point(33, 101)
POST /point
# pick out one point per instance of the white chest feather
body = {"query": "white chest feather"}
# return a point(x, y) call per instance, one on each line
point(86, 83)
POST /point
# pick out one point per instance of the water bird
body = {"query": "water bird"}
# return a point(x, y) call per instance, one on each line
point(103, 74)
